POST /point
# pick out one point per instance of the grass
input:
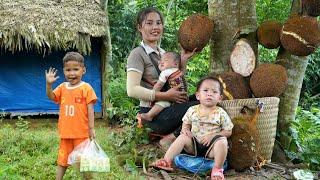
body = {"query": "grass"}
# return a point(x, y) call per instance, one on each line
point(28, 150)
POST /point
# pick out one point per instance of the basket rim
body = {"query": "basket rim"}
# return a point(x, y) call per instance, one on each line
point(276, 99)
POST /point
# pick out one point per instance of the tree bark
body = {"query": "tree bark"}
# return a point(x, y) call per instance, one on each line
point(248, 23)
point(233, 19)
point(106, 56)
point(296, 67)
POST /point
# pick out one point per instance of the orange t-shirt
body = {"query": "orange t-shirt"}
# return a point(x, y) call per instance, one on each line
point(73, 114)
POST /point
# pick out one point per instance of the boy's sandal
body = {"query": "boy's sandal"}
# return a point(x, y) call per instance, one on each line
point(162, 164)
point(216, 174)
point(139, 124)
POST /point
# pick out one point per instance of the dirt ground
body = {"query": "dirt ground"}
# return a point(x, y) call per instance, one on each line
point(268, 171)
point(272, 170)
point(265, 173)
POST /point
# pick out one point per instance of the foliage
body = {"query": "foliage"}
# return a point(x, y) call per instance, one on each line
point(306, 138)
point(195, 72)
point(311, 80)
point(307, 101)
point(273, 10)
point(122, 29)
point(32, 154)
point(267, 55)
point(129, 141)
point(122, 108)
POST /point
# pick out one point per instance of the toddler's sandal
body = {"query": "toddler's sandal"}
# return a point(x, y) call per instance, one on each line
point(217, 174)
point(162, 164)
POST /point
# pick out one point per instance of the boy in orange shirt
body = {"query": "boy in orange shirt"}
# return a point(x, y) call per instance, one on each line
point(76, 99)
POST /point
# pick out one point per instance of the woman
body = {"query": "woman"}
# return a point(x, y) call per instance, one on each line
point(142, 73)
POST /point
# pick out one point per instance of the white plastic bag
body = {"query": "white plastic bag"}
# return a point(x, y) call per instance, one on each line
point(303, 174)
point(75, 156)
point(90, 156)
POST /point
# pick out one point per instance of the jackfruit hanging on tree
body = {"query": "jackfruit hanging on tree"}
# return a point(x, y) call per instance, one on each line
point(300, 35)
point(195, 32)
point(268, 34)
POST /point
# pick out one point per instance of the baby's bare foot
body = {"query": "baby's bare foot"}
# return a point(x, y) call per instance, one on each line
point(139, 124)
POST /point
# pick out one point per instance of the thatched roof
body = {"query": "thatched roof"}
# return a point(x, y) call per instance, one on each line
point(48, 25)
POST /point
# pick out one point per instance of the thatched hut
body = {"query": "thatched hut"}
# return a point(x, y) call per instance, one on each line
point(35, 35)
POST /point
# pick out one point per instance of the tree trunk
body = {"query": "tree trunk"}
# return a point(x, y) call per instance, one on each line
point(106, 56)
point(232, 19)
point(296, 67)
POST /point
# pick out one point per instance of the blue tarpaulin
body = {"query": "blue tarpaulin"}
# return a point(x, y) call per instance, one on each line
point(23, 85)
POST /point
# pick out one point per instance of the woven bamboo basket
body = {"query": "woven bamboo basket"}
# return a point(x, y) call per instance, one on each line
point(266, 122)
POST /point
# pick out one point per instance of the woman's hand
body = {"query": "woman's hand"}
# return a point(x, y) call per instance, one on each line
point(177, 96)
point(186, 55)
